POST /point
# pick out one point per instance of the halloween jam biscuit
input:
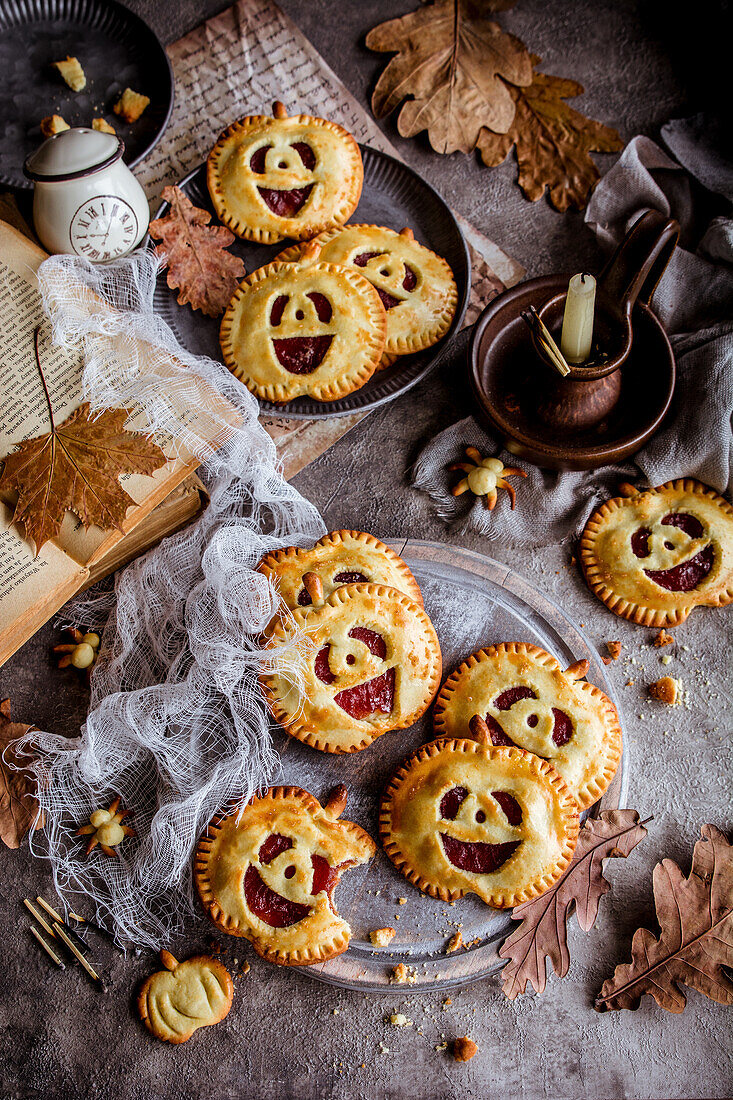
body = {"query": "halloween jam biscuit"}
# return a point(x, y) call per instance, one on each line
point(175, 1002)
point(461, 816)
point(305, 578)
point(268, 873)
point(652, 557)
point(417, 287)
point(303, 328)
point(521, 696)
point(373, 665)
point(278, 177)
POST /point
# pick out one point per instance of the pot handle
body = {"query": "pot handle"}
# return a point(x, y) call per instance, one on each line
point(638, 263)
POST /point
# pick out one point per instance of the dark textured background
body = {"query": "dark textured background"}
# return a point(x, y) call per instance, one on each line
point(286, 1035)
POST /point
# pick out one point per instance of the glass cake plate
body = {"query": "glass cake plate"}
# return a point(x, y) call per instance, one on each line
point(473, 601)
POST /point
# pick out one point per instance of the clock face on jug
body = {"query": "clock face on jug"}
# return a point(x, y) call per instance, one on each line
point(103, 227)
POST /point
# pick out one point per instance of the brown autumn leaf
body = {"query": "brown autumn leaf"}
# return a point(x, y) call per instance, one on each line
point(543, 933)
point(553, 142)
point(18, 803)
point(450, 57)
point(695, 915)
point(199, 267)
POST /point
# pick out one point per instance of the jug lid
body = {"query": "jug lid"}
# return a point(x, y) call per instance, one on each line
point(73, 153)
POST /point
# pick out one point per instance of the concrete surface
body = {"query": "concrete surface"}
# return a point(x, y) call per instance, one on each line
point(288, 1036)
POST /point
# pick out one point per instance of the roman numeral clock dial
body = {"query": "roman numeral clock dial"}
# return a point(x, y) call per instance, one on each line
point(103, 227)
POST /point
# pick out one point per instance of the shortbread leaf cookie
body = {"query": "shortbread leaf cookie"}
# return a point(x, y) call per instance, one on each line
point(653, 556)
point(522, 696)
point(416, 286)
point(296, 176)
point(268, 873)
point(303, 328)
point(175, 1002)
point(373, 665)
point(461, 816)
point(307, 577)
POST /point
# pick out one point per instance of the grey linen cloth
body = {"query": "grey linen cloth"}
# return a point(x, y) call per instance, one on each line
point(694, 300)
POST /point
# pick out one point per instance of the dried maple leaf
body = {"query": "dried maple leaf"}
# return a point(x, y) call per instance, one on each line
point(76, 466)
point(695, 915)
point(18, 803)
point(199, 267)
point(542, 934)
point(553, 142)
point(450, 56)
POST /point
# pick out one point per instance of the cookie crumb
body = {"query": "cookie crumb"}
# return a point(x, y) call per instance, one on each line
point(447, 1002)
point(402, 901)
point(53, 124)
point(464, 1049)
point(614, 650)
point(381, 937)
point(667, 659)
point(398, 1019)
point(665, 690)
point(663, 638)
point(441, 1046)
point(454, 943)
point(403, 975)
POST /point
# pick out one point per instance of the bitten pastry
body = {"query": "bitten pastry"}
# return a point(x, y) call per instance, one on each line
point(278, 177)
point(373, 666)
point(175, 1002)
point(269, 873)
point(652, 557)
point(461, 816)
point(303, 328)
point(521, 696)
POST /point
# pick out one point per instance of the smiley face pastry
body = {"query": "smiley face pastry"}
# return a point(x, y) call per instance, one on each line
point(521, 696)
point(175, 1002)
point(652, 557)
point(303, 328)
point(373, 665)
point(283, 176)
point(461, 816)
point(268, 873)
point(416, 287)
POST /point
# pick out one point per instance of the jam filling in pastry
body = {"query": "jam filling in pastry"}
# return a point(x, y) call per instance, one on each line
point(372, 665)
point(303, 328)
point(521, 696)
point(175, 1002)
point(283, 176)
point(268, 873)
point(652, 557)
point(461, 816)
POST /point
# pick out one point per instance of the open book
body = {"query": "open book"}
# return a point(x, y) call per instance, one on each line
point(33, 587)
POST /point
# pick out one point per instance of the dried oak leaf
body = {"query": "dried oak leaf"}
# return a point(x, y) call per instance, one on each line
point(553, 142)
point(199, 267)
point(77, 466)
point(450, 56)
point(18, 803)
point(543, 932)
point(695, 915)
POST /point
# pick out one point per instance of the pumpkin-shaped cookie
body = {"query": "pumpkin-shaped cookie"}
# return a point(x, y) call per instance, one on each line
point(417, 287)
point(283, 176)
point(522, 696)
point(268, 873)
point(373, 665)
point(461, 816)
point(651, 557)
point(175, 1002)
point(303, 328)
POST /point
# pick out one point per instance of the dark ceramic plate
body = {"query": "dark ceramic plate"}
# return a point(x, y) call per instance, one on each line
point(393, 195)
point(116, 50)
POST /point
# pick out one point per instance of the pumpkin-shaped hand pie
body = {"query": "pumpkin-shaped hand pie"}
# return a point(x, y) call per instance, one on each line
point(651, 557)
point(307, 577)
point(278, 177)
point(303, 328)
point(417, 287)
point(175, 1002)
point(268, 873)
point(461, 816)
point(373, 665)
point(521, 696)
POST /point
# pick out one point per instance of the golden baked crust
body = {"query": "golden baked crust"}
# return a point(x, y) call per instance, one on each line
point(341, 557)
point(373, 665)
point(276, 177)
point(694, 547)
point(175, 1002)
point(266, 863)
point(303, 328)
point(463, 817)
point(527, 699)
point(416, 286)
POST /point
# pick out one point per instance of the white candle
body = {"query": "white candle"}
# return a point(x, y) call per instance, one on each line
point(577, 323)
